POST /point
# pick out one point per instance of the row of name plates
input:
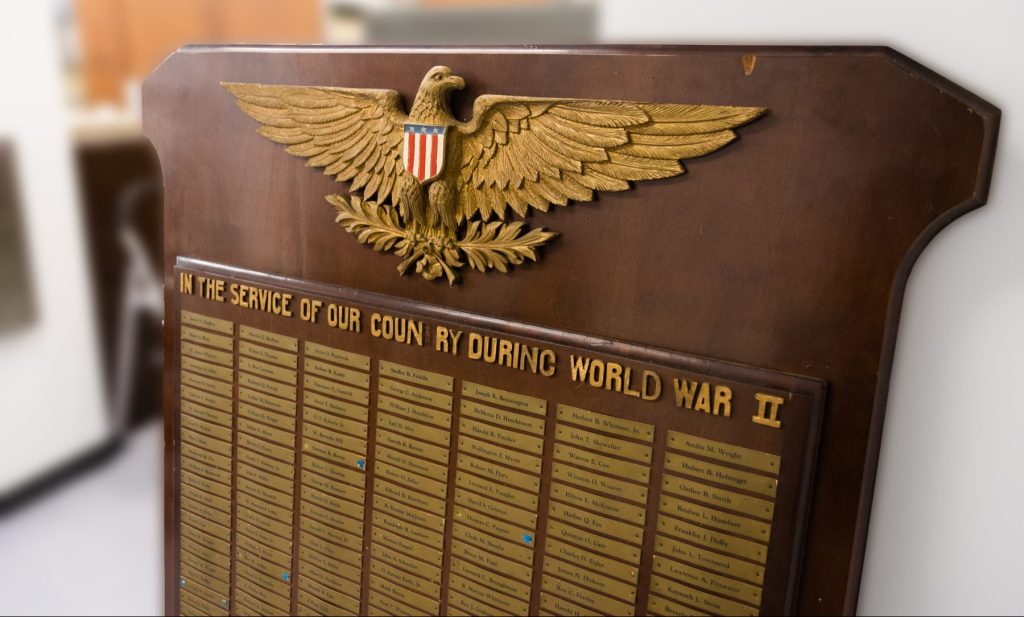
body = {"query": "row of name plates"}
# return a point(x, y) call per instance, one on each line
point(286, 506)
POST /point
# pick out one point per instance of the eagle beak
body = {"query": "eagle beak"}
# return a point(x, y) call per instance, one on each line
point(458, 82)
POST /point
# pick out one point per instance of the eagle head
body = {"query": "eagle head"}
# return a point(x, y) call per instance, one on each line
point(431, 104)
point(440, 80)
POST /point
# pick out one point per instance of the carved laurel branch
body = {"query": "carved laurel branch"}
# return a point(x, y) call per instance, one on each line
point(496, 245)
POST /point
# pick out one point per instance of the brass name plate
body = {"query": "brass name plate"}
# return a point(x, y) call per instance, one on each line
point(560, 607)
point(383, 606)
point(267, 386)
point(609, 424)
point(609, 586)
point(337, 373)
point(500, 455)
point(206, 338)
point(602, 443)
point(210, 323)
point(484, 468)
point(415, 394)
point(408, 530)
point(276, 435)
point(342, 408)
point(512, 550)
point(267, 370)
point(265, 553)
point(272, 339)
point(276, 495)
point(401, 442)
point(504, 493)
point(723, 475)
point(413, 583)
point(604, 546)
point(707, 601)
point(333, 551)
point(511, 439)
point(203, 484)
point(219, 403)
point(619, 488)
point(415, 375)
point(495, 396)
point(276, 420)
point(710, 560)
point(408, 547)
point(205, 457)
point(215, 386)
point(506, 567)
point(717, 497)
point(604, 464)
point(499, 582)
point(398, 424)
point(725, 543)
point(423, 519)
point(338, 356)
point(664, 607)
point(205, 413)
point(214, 430)
point(220, 559)
point(342, 473)
point(268, 354)
point(593, 561)
point(315, 440)
point(188, 491)
point(261, 399)
point(335, 589)
point(206, 354)
point(502, 417)
point(413, 411)
point(493, 526)
point(717, 519)
point(336, 389)
point(418, 567)
point(207, 369)
point(411, 498)
point(193, 438)
point(586, 597)
point(596, 522)
point(701, 578)
point(313, 415)
point(604, 505)
point(265, 508)
point(409, 479)
point(327, 563)
point(281, 468)
point(506, 603)
point(745, 457)
point(347, 521)
point(411, 463)
point(201, 469)
point(504, 511)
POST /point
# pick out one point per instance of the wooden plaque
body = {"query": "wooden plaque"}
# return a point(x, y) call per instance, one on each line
point(507, 358)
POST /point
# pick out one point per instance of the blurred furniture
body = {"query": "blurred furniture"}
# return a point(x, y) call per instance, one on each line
point(16, 306)
point(119, 178)
point(123, 40)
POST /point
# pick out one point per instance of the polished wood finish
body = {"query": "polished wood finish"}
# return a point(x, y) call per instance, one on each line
point(789, 250)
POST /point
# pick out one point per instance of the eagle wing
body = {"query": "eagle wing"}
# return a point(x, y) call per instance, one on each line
point(354, 134)
point(525, 152)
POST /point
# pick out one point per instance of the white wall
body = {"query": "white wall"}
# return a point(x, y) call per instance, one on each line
point(50, 390)
point(947, 529)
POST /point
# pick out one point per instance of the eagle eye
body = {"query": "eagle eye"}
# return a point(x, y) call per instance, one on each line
point(437, 76)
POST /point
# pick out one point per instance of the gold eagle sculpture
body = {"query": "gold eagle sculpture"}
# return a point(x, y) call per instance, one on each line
point(436, 190)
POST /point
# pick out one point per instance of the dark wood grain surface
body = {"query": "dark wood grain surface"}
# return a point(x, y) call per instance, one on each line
point(788, 250)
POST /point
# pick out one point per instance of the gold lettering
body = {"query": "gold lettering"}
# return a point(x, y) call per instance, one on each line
point(768, 410)
point(186, 283)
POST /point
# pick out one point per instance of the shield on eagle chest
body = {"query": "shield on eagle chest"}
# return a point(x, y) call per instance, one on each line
point(423, 150)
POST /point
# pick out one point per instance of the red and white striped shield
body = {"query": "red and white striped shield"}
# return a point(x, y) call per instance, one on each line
point(423, 150)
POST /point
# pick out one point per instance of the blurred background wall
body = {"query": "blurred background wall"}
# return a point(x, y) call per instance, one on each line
point(80, 307)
